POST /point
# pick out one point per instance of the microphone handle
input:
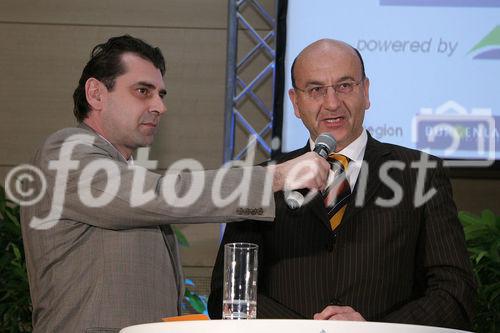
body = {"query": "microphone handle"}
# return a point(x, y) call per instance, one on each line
point(321, 151)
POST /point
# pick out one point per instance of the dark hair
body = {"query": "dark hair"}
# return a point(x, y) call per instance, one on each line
point(105, 65)
point(355, 50)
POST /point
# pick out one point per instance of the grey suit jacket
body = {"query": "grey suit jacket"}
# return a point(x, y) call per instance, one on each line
point(99, 269)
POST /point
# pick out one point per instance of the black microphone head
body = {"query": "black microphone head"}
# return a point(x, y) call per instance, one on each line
point(325, 144)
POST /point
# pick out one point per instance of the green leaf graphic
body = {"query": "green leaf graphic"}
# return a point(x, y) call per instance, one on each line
point(493, 38)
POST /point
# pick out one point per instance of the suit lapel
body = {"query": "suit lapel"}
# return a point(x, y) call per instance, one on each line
point(375, 154)
point(317, 205)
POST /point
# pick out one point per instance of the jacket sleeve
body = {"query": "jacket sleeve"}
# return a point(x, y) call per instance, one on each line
point(87, 183)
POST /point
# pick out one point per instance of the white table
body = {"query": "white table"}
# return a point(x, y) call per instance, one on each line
point(281, 326)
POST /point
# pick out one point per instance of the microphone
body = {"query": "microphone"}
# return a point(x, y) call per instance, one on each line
point(324, 144)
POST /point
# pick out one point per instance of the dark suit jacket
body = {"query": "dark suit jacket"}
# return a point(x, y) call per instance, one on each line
point(401, 264)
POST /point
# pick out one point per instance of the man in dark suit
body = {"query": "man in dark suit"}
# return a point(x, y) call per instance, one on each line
point(390, 248)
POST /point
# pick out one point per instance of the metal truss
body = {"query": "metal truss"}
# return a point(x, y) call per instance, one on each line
point(239, 90)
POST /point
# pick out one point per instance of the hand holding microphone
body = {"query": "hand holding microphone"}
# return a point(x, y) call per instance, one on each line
point(306, 174)
point(324, 144)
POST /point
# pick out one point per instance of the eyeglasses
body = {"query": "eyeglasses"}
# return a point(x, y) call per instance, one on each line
point(342, 88)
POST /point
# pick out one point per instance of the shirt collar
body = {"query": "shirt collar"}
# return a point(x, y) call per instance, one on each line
point(130, 161)
point(355, 151)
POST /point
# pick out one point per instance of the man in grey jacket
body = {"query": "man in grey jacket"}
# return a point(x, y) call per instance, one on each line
point(100, 252)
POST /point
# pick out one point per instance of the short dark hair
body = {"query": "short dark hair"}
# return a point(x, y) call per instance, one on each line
point(105, 65)
point(355, 50)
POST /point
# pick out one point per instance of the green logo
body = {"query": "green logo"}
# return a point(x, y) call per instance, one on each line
point(490, 46)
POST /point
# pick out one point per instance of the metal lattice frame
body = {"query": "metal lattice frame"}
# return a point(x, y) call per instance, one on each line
point(237, 90)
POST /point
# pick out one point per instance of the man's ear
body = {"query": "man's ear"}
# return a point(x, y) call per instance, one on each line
point(94, 92)
point(293, 98)
point(366, 87)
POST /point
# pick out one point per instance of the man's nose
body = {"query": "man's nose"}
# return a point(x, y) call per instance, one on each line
point(158, 105)
point(331, 100)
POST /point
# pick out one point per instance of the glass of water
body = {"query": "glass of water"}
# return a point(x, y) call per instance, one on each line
point(240, 281)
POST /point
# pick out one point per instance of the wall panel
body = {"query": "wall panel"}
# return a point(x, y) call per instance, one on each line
point(40, 72)
point(199, 14)
point(149, 13)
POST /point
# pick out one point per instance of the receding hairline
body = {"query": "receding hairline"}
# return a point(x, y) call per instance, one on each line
point(131, 55)
point(327, 44)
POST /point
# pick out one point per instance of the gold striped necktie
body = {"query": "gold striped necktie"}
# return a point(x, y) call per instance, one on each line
point(339, 191)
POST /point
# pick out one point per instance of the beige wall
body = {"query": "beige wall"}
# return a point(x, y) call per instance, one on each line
point(45, 45)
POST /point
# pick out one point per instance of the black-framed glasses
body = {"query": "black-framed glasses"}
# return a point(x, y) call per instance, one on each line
point(342, 88)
